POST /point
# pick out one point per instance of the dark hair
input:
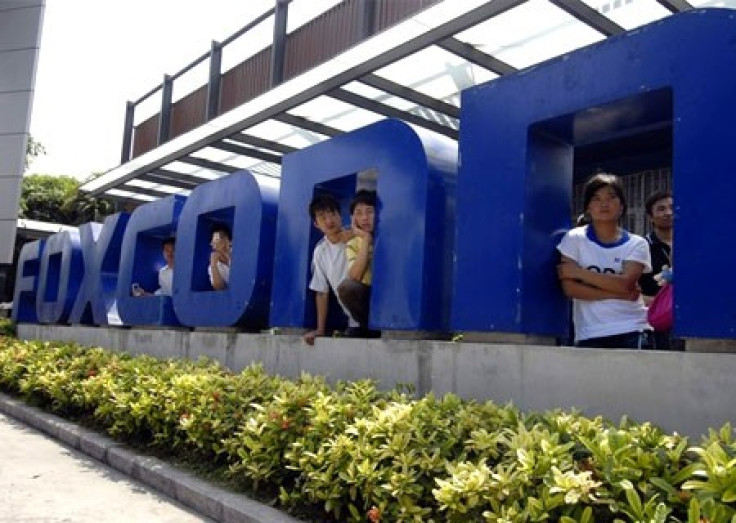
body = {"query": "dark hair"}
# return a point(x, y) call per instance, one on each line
point(222, 229)
point(365, 197)
point(654, 198)
point(168, 241)
point(323, 202)
point(598, 182)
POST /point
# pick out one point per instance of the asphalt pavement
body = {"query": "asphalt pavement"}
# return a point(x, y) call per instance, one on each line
point(53, 471)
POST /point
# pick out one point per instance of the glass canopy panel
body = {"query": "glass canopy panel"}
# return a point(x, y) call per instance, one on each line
point(225, 157)
point(731, 4)
point(193, 170)
point(335, 113)
point(436, 73)
point(400, 103)
point(267, 169)
point(284, 133)
point(236, 143)
point(120, 193)
point(630, 14)
point(530, 33)
point(145, 184)
point(377, 95)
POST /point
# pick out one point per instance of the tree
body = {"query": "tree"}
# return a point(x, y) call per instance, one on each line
point(43, 197)
point(57, 199)
point(34, 149)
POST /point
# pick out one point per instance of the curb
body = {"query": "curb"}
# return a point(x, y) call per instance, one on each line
point(199, 495)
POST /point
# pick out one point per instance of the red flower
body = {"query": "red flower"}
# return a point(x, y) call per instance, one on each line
point(374, 514)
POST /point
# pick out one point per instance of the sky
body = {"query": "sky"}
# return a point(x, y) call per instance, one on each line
point(95, 55)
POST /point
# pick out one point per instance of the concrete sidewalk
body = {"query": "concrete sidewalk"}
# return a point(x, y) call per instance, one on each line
point(43, 480)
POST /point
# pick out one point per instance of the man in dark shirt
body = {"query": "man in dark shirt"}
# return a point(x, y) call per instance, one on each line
point(659, 208)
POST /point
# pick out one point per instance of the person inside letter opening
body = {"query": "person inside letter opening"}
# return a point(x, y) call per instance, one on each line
point(355, 290)
point(165, 274)
point(220, 258)
point(600, 268)
point(329, 263)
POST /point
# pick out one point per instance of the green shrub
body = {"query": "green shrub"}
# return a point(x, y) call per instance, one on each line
point(350, 452)
point(7, 327)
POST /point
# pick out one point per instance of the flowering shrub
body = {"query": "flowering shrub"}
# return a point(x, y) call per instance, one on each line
point(350, 452)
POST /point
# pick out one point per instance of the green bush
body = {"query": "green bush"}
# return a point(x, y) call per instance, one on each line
point(350, 452)
point(7, 327)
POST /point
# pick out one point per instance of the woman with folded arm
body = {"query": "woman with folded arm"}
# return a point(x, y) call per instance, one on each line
point(600, 269)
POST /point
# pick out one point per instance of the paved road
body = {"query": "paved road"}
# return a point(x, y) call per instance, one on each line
point(43, 481)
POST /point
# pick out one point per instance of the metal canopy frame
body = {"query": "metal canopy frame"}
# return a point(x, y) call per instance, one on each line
point(179, 165)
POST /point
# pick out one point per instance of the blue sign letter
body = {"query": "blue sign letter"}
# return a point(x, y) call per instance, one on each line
point(412, 257)
point(247, 204)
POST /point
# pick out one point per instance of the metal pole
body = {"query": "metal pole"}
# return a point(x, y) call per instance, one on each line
point(213, 87)
point(125, 154)
point(164, 121)
point(278, 47)
point(368, 18)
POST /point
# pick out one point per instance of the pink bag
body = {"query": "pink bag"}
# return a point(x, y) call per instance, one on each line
point(659, 314)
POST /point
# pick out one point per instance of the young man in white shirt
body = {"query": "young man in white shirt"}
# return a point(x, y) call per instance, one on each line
point(165, 273)
point(329, 263)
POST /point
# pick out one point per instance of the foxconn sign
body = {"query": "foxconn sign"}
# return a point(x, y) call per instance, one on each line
point(466, 231)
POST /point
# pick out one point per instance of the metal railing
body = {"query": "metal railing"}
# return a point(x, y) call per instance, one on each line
point(214, 55)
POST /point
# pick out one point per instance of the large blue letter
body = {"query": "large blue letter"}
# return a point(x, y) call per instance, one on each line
point(26, 282)
point(141, 259)
point(248, 204)
point(413, 250)
point(517, 138)
point(62, 267)
point(101, 252)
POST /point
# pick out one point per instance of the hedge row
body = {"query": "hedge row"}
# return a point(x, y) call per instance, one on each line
point(352, 452)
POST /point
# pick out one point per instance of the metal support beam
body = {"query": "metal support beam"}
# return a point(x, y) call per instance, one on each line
point(171, 182)
point(208, 164)
point(257, 141)
point(589, 16)
point(386, 110)
point(410, 94)
point(213, 85)
point(124, 203)
point(125, 153)
point(164, 117)
point(471, 54)
point(278, 47)
point(247, 151)
point(144, 191)
point(676, 6)
point(300, 121)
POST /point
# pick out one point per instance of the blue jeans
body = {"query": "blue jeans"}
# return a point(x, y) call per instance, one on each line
point(627, 340)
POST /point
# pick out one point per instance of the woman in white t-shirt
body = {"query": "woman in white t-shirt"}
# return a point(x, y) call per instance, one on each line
point(600, 268)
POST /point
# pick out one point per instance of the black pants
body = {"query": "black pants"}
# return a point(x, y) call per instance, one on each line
point(627, 340)
point(356, 297)
point(665, 341)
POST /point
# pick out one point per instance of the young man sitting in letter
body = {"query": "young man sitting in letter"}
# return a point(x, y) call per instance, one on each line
point(329, 264)
point(355, 291)
point(220, 257)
